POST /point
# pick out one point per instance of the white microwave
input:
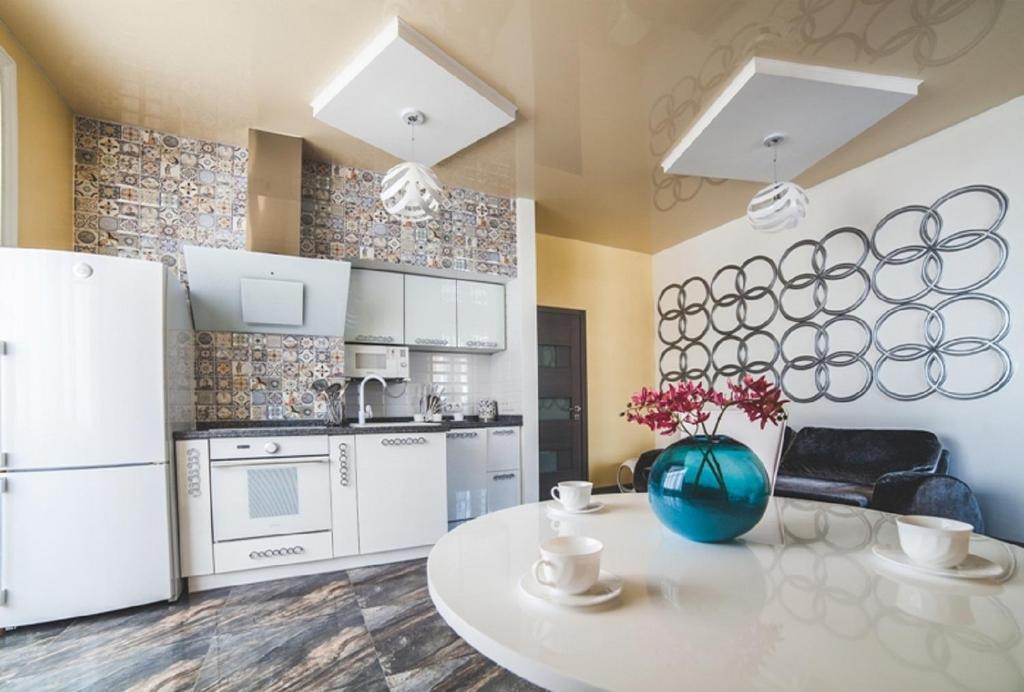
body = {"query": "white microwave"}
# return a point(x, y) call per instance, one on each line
point(389, 362)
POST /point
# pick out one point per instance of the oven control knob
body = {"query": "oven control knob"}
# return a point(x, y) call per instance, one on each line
point(271, 447)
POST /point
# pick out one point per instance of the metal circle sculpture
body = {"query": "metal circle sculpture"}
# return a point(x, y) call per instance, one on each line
point(935, 348)
point(933, 246)
point(709, 328)
point(824, 359)
point(822, 273)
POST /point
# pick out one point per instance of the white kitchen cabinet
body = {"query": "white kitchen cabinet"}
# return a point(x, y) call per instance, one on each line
point(430, 312)
point(344, 507)
point(503, 449)
point(195, 519)
point(502, 490)
point(401, 491)
point(481, 315)
point(376, 307)
point(467, 474)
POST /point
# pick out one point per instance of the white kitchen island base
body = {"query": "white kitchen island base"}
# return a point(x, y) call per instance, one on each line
point(800, 603)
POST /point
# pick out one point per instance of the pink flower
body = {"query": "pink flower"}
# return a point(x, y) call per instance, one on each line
point(679, 405)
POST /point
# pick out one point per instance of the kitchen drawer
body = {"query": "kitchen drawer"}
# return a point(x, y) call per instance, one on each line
point(502, 449)
point(253, 553)
point(282, 446)
point(502, 490)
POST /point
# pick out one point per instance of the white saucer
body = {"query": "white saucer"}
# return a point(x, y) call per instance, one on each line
point(974, 567)
point(555, 507)
point(608, 586)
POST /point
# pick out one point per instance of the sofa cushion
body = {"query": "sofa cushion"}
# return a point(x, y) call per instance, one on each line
point(859, 456)
point(823, 490)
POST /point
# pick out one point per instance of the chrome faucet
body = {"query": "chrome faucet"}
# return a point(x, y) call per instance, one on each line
point(362, 395)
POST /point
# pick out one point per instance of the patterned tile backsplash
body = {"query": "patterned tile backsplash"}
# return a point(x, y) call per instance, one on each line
point(342, 217)
point(144, 194)
point(263, 376)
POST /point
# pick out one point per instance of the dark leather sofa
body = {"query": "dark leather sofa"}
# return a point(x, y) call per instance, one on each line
point(845, 465)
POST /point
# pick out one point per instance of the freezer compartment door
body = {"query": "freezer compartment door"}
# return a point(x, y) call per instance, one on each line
point(82, 368)
point(83, 541)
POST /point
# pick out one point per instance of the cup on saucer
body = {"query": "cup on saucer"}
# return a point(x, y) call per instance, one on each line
point(934, 541)
point(569, 564)
point(573, 495)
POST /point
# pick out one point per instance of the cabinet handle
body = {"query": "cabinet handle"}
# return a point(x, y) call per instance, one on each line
point(276, 552)
point(193, 478)
point(503, 476)
point(403, 441)
point(461, 435)
point(343, 464)
point(482, 344)
point(432, 342)
point(504, 432)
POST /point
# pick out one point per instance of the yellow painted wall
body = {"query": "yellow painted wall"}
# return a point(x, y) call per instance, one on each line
point(45, 155)
point(614, 287)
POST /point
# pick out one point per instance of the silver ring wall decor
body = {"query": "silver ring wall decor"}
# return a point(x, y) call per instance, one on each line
point(711, 329)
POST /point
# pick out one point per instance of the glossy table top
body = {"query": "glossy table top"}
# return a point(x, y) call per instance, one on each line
point(799, 603)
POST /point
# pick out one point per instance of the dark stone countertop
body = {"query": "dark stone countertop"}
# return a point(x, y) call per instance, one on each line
point(279, 428)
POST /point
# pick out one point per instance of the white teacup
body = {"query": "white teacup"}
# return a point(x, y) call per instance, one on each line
point(573, 495)
point(934, 541)
point(569, 564)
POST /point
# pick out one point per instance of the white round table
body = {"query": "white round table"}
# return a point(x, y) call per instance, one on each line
point(799, 603)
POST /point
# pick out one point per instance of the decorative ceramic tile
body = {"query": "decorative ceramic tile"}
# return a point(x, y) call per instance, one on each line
point(342, 218)
point(144, 194)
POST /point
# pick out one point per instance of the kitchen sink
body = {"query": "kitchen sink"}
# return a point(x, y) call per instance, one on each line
point(392, 424)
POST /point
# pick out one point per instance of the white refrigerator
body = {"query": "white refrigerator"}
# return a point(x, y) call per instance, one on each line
point(95, 372)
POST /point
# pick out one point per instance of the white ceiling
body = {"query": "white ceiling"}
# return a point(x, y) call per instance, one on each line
point(817, 109)
point(402, 70)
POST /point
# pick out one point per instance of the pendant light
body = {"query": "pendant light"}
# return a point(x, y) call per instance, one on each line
point(410, 190)
point(779, 206)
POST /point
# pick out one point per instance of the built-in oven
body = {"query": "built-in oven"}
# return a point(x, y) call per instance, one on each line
point(270, 496)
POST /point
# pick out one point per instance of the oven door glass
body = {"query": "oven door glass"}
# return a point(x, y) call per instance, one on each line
point(268, 498)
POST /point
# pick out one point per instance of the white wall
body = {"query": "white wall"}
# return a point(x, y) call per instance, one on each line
point(514, 370)
point(983, 435)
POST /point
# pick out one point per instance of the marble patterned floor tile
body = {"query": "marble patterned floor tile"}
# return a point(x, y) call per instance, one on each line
point(400, 582)
point(20, 646)
point(83, 647)
point(412, 635)
point(468, 673)
point(286, 602)
point(330, 652)
point(169, 668)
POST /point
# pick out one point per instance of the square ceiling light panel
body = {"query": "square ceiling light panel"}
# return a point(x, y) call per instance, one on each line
point(402, 70)
point(817, 110)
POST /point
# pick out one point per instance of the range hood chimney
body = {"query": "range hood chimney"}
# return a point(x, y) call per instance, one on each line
point(269, 288)
point(275, 193)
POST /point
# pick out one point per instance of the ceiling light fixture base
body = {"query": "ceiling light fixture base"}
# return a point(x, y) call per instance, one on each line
point(411, 116)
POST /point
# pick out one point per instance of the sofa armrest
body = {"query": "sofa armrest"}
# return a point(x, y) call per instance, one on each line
point(900, 476)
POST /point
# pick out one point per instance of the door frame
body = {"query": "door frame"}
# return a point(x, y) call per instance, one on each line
point(584, 446)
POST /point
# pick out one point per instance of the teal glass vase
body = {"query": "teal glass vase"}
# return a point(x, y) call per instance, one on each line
point(708, 489)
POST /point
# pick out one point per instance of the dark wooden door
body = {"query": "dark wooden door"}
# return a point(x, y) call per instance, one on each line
point(562, 384)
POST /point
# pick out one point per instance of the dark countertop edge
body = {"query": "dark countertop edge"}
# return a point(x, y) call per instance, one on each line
point(290, 428)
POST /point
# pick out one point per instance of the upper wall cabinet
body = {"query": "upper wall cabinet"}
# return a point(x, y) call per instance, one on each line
point(481, 316)
point(376, 302)
point(430, 313)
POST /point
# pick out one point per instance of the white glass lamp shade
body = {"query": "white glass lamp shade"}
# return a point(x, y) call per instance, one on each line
point(777, 207)
point(411, 191)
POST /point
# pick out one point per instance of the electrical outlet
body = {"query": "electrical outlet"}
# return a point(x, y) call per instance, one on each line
point(506, 406)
